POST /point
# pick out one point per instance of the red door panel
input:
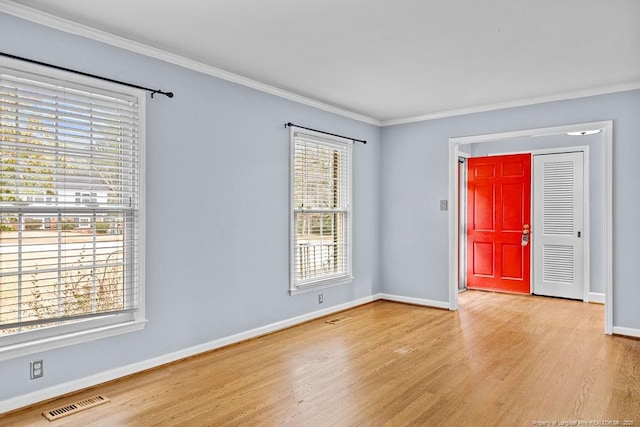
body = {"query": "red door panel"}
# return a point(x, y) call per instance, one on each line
point(499, 211)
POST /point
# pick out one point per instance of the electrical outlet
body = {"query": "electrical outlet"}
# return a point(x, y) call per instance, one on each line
point(444, 205)
point(37, 369)
point(320, 298)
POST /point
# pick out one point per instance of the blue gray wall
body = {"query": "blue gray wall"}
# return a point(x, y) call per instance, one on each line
point(414, 233)
point(217, 208)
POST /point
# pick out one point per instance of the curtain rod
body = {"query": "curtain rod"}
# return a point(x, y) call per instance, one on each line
point(33, 61)
point(286, 125)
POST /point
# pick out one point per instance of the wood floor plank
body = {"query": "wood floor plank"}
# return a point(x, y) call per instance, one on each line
point(501, 359)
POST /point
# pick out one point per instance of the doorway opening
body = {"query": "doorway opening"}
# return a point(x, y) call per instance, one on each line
point(555, 139)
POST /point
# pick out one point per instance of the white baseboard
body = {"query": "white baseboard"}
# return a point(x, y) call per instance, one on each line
point(416, 301)
point(630, 332)
point(112, 374)
point(596, 297)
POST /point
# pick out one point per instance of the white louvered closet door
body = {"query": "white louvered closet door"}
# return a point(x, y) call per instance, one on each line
point(558, 225)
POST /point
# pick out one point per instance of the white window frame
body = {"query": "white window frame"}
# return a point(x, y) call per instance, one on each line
point(89, 329)
point(321, 282)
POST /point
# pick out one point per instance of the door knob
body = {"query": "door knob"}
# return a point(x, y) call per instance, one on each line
point(525, 235)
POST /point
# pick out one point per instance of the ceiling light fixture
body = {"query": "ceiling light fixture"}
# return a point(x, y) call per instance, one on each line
point(585, 132)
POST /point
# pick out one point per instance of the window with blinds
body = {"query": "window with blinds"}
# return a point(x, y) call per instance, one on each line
point(70, 181)
point(320, 211)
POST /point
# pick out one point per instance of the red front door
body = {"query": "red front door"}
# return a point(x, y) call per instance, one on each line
point(498, 215)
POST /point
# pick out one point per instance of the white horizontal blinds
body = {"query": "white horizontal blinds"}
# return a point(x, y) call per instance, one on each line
point(59, 141)
point(321, 197)
point(68, 202)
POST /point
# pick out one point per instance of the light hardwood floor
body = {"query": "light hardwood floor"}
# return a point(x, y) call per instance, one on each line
point(501, 359)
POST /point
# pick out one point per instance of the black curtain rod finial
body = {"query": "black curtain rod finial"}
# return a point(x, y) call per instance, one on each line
point(167, 94)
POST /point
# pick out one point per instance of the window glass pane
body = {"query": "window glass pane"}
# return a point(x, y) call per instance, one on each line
point(60, 266)
point(320, 246)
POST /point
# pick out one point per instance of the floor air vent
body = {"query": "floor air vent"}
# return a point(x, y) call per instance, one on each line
point(337, 320)
point(75, 407)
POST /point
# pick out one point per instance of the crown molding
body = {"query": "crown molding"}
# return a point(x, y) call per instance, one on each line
point(68, 26)
point(603, 90)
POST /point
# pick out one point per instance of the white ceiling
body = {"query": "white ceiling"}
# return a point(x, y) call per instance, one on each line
point(390, 59)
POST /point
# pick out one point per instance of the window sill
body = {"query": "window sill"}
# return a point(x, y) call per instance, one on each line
point(46, 344)
point(321, 285)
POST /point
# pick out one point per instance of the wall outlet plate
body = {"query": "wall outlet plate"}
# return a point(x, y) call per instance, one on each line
point(37, 369)
point(320, 298)
point(444, 205)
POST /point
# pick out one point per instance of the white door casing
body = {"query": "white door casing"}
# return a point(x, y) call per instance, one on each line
point(559, 225)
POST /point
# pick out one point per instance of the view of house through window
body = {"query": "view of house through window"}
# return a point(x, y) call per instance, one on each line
point(69, 188)
point(321, 211)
